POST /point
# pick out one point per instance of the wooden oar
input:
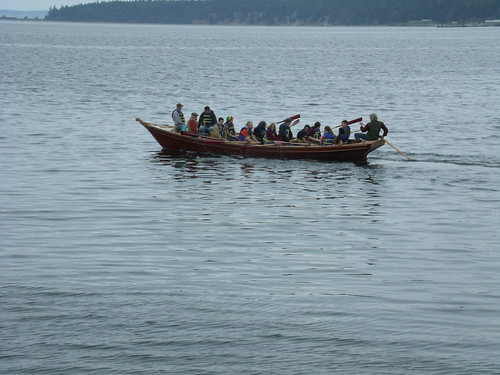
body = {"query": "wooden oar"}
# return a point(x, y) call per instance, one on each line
point(397, 149)
point(294, 117)
point(350, 122)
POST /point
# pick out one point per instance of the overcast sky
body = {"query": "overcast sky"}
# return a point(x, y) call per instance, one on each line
point(38, 4)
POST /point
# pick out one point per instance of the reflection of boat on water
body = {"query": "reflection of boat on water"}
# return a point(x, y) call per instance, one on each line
point(352, 151)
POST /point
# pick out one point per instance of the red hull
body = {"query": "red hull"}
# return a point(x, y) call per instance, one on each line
point(178, 142)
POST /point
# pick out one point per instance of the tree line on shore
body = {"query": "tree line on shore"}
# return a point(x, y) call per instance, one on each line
point(279, 12)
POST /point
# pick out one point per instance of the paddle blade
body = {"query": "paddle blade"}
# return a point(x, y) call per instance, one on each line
point(355, 120)
point(295, 122)
point(351, 122)
point(291, 118)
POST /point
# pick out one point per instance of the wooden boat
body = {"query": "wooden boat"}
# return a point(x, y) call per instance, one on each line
point(167, 138)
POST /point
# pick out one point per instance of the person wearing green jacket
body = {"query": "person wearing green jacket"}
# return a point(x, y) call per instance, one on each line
point(372, 129)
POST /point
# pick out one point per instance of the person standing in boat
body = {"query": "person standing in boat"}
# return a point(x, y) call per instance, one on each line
point(344, 132)
point(260, 131)
point(206, 121)
point(178, 117)
point(246, 133)
point(328, 138)
point(372, 129)
point(192, 125)
point(285, 132)
point(228, 131)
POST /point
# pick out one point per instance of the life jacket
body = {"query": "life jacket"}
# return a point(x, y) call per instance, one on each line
point(228, 131)
point(345, 133)
point(181, 115)
point(259, 134)
point(270, 134)
point(302, 134)
point(241, 137)
point(207, 119)
point(266, 140)
point(329, 139)
point(316, 133)
point(286, 133)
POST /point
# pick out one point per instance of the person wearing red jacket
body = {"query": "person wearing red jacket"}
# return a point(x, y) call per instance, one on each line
point(192, 125)
point(271, 135)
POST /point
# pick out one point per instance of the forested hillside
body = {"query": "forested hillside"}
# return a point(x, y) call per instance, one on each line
point(280, 12)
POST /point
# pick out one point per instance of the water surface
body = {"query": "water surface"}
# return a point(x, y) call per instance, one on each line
point(120, 258)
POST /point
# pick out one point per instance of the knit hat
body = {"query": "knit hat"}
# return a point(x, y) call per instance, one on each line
point(229, 119)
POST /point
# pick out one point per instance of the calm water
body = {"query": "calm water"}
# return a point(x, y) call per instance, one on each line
point(118, 258)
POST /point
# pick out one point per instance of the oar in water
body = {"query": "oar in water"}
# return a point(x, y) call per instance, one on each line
point(397, 149)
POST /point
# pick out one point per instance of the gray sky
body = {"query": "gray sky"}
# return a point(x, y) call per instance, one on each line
point(38, 4)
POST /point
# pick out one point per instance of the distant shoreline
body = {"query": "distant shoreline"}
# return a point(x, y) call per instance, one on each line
point(409, 24)
point(23, 15)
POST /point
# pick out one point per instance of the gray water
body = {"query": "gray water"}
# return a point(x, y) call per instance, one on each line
point(119, 258)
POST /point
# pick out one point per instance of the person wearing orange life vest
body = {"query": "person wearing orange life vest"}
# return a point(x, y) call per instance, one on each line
point(246, 133)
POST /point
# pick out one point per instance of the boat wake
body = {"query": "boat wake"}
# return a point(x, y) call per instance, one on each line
point(458, 160)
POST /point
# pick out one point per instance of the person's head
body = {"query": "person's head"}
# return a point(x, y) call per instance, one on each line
point(344, 123)
point(221, 120)
point(262, 125)
point(179, 106)
point(207, 108)
point(373, 117)
point(328, 129)
point(317, 125)
point(307, 127)
point(249, 124)
point(272, 126)
point(288, 121)
point(229, 119)
point(194, 114)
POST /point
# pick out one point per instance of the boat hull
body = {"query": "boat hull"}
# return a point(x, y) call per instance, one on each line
point(205, 145)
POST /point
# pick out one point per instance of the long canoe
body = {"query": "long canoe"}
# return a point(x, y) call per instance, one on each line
point(168, 139)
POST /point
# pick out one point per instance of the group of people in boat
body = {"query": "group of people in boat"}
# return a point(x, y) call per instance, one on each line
point(207, 124)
